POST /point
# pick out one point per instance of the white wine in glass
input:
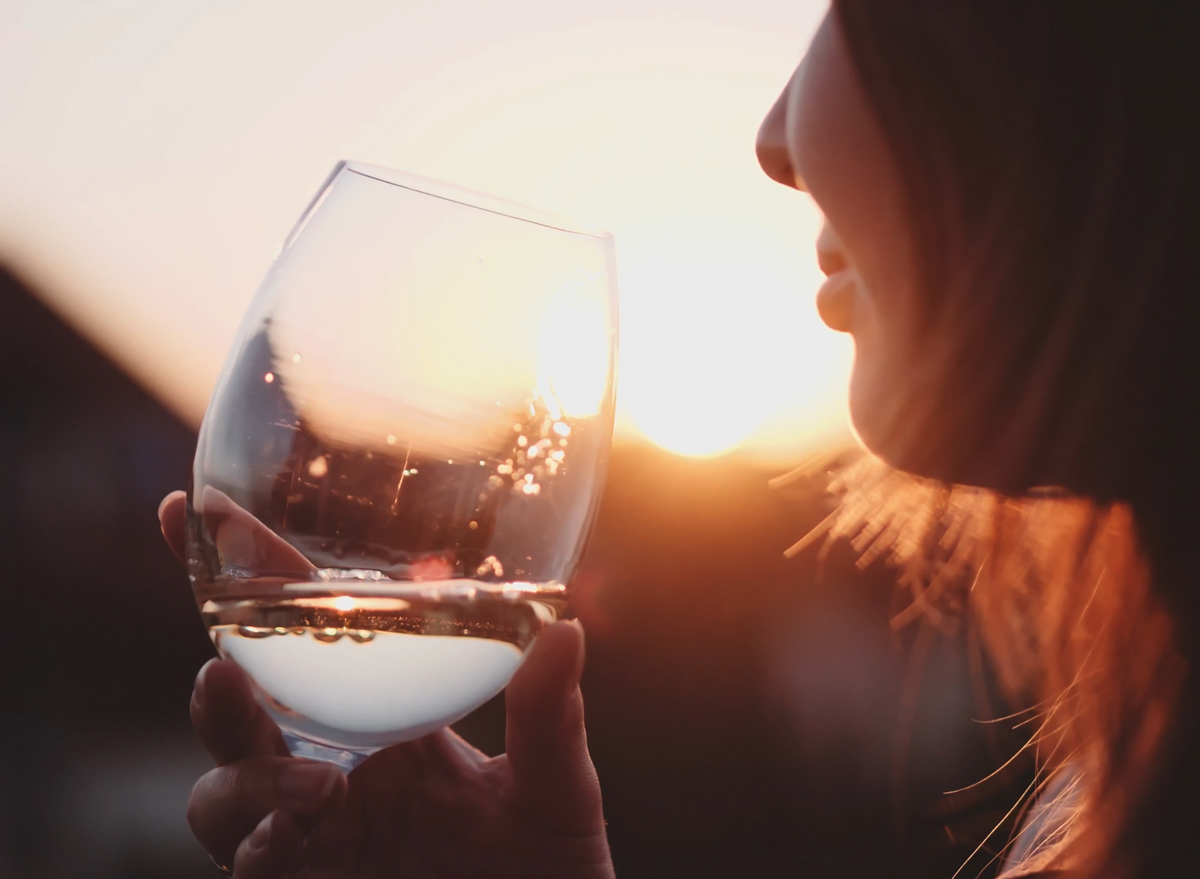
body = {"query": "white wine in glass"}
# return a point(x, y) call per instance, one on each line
point(402, 459)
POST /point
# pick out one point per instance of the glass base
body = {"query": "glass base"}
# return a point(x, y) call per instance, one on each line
point(343, 758)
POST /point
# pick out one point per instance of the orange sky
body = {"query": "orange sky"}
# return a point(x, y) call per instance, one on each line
point(156, 154)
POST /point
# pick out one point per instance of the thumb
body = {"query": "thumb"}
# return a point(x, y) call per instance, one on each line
point(554, 780)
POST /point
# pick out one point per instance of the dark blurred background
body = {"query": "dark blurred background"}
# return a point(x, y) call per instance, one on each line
point(749, 715)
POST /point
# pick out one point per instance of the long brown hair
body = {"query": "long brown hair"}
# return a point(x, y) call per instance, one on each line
point(1051, 159)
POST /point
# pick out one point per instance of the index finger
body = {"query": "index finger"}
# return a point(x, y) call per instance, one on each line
point(241, 540)
point(230, 722)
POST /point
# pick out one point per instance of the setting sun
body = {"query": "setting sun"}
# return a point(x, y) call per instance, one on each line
point(152, 234)
point(721, 342)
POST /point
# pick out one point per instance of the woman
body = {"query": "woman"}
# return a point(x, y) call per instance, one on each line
point(1012, 194)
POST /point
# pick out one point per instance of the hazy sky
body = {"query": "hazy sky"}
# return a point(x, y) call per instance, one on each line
point(153, 155)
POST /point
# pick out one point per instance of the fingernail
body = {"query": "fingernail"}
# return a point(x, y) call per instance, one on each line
point(308, 781)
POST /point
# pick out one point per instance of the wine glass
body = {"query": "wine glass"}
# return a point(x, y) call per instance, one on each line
point(402, 459)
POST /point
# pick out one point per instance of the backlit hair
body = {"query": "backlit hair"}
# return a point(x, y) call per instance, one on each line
point(1051, 159)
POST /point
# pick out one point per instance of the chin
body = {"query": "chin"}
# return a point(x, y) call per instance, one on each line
point(875, 418)
point(913, 439)
point(897, 421)
point(965, 439)
point(938, 446)
point(877, 436)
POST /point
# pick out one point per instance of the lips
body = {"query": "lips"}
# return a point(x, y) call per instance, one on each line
point(835, 300)
point(830, 259)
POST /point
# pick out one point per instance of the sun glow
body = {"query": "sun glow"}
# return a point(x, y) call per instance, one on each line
point(575, 350)
point(720, 341)
point(635, 118)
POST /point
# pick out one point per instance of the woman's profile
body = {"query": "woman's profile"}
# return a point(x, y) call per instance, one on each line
point(1012, 237)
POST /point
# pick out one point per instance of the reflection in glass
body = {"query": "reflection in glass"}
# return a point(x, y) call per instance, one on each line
point(402, 459)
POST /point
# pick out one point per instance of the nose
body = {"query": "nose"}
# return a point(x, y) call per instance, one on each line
point(771, 144)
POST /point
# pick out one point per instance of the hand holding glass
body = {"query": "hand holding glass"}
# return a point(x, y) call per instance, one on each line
point(403, 456)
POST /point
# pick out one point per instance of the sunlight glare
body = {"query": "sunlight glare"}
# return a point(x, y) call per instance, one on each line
point(575, 349)
point(720, 337)
point(634, 120)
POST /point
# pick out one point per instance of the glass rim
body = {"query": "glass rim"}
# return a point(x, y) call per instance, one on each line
point(467, 197)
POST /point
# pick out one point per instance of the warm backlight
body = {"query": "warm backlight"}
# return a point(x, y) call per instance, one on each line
point(721, 344)
point(576, 349)
point(146, 189)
